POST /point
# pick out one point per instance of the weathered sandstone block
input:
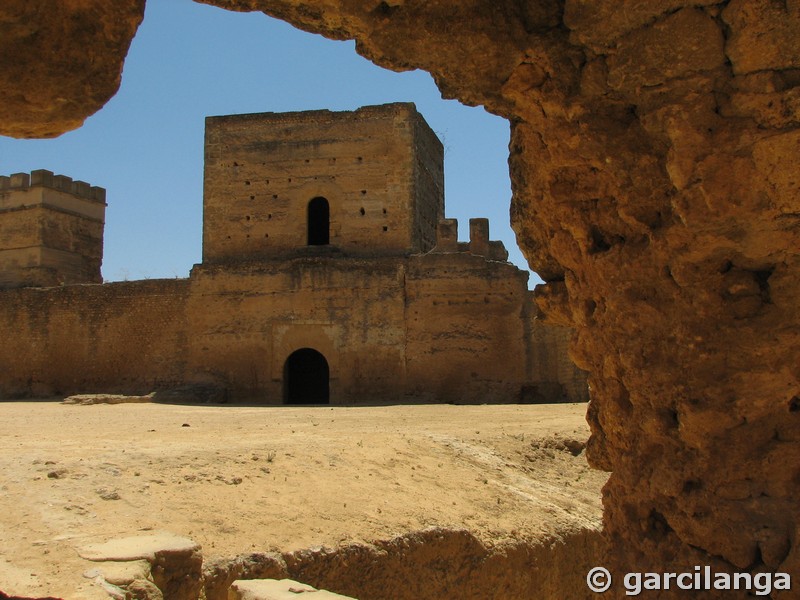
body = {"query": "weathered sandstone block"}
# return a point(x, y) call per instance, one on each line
point(61, 61)
point(277, 589)
point(175, 562)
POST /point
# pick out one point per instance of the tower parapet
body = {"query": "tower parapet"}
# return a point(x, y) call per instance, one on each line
point(45, 178)
point(51, 230)
point(479, 242)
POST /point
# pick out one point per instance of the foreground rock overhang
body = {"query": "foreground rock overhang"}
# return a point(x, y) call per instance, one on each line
point(654, 165)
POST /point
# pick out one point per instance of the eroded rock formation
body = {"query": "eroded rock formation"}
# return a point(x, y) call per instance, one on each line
point(61, 61)
point(656, 189)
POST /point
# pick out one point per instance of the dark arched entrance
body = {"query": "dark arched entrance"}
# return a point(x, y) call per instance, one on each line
point(319, 222)
point(305, 378)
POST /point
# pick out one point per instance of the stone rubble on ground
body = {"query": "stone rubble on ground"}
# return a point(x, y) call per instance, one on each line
point(89, 399)
point(283, 589)
point(149, 567)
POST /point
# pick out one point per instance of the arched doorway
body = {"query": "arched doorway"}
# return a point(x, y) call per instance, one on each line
point(306, 378)
point(319, 222)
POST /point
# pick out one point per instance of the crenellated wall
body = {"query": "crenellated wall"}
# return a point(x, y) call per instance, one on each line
point(51, 230)
point(47, 179)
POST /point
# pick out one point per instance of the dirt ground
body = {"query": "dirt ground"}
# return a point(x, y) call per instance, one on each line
point(238, 479)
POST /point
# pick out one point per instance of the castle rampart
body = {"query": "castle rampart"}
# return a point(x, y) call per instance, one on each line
point(329, 275)
point(47, 179)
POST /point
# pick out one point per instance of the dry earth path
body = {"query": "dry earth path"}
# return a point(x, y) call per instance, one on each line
point(238, 479)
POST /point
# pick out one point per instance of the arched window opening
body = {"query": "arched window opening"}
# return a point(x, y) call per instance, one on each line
point(319, 222)
point(306, 378)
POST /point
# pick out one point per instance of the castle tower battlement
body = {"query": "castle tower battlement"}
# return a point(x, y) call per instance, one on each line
point(45, 178)
point(51, 230)
point(479, 243)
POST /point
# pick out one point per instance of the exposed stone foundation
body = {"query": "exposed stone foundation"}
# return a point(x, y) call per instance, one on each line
point(429, 564)
point(654, 166)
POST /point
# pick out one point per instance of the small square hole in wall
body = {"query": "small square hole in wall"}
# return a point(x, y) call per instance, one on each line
point(362, 211)
point(385, 228)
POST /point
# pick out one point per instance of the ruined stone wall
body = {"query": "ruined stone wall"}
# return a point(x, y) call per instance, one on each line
point(475, 335)
point(120, 337)
point(423, 329)
point(262, 170)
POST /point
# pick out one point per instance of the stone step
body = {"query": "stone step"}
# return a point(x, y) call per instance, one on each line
point(278, 589)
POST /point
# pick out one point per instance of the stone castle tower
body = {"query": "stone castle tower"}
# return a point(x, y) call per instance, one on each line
point(367, 183)
point(329, 276)
point(51, 230)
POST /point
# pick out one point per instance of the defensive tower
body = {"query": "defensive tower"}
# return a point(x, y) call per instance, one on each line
point(51, 230)
point(364, 183)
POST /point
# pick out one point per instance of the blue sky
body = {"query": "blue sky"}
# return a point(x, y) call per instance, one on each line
point(189, 61)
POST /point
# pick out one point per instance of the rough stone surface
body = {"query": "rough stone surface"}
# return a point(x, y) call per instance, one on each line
point(659, 200)
point(175, 562)
point(274, 589)
point(143, 547)
point(120, 573)
point(440, 563)
point(143, 589)
point(220, 573)
point(428, 565)
point(61, 62)
point(89, 399)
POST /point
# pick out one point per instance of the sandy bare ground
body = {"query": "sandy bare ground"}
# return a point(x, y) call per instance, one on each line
point(236, 478)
